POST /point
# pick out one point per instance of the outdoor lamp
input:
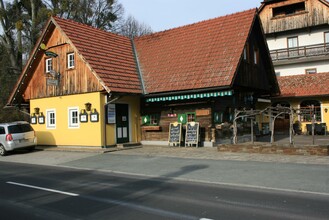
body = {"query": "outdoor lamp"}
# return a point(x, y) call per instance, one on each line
point(326, 110)
point(36, 110)
point(88, 106)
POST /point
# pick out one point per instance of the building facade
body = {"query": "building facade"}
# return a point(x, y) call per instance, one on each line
point(297, 33)
point(88, 87)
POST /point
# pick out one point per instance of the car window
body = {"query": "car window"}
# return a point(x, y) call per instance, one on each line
point(13, 129)
point(2, 130)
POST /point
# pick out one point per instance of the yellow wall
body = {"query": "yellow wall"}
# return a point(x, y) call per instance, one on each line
point(134, 115)
point(90, 133)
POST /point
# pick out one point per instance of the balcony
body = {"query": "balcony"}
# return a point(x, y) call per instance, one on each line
point(310, 52)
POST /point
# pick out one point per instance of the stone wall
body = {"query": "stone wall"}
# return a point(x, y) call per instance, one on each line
point(305, 150)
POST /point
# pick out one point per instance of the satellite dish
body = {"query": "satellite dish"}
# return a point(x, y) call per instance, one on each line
point(43, 46)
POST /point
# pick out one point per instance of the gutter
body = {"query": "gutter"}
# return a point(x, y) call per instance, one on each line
point(138, 65)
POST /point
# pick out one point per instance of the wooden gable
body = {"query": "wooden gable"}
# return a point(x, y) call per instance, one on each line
point(255, 71)
point(280, 16)
point(79, 79)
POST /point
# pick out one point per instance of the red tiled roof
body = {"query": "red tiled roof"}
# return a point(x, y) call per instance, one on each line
point(201, 55)
point(109, 55)
point(304, 85)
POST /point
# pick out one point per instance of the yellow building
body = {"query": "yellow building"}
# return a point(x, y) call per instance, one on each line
point(81, 91)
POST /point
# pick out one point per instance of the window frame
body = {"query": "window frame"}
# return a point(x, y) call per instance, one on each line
point(193, 114)
point(246, 53)
point(326, 39)
point(256, 56)
point(49, 118)
point(309, 71)
point(70, 60)
point(293, 51)
point(71, 123)
point(48, 64)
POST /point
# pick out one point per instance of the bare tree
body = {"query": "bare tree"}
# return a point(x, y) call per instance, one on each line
point(133, 28)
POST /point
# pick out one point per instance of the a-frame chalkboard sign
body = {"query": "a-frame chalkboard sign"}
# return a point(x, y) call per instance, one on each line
point(175, 131)
point(192, 134)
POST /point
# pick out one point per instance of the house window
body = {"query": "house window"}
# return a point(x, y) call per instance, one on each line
point(292, 46)
point(190, 116)
point(288, 9)
point(73, 117)
point(310, 109)
point(49, 65)
point(310, 71)
point(246, 53)
point(256, 56)
point(70, 61)
point(326, 39)
point(51, 118)
point(151, 120)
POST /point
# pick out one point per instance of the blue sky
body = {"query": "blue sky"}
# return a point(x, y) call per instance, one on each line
point(165, 14)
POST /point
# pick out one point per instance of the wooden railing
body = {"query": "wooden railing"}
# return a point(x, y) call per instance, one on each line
point(300, 52)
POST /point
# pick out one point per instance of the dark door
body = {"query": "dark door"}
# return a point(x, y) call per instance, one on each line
point(122, 123)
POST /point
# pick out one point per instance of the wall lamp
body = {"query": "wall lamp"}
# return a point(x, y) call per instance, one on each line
point(88, 106)
point(36, 110)
point(326, 110)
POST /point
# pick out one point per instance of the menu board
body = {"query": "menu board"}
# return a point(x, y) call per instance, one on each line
point(192, 133)
point(175, 130)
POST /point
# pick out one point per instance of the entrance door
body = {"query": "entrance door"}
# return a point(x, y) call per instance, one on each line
point(122, 123)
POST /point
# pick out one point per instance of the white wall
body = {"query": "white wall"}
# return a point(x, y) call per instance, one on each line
point(304, 39)
point(299, 68)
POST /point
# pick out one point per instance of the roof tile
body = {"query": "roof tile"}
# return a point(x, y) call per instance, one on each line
point(109, 55)
point(201, 55)
point(304, 85)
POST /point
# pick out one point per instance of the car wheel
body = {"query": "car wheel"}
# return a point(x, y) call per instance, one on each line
point(3, 151)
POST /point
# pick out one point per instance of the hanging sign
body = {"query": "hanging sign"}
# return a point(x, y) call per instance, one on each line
point(111, 113)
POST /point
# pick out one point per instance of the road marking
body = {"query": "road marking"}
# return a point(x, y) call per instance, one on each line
point(42, 188)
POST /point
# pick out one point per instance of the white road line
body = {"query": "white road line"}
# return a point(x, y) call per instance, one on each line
point(42, 188)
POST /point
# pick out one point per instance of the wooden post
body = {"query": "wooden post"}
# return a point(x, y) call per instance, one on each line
point(252, 130)
point(235, 131)
point(313, 120)
point(291, 130)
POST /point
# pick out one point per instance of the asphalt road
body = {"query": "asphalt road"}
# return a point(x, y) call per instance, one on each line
point(48, 192)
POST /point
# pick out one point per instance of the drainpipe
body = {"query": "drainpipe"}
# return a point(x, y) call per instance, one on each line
point(105, 108)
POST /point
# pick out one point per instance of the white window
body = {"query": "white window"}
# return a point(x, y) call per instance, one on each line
point(73, 117)
point(256, 56)
point(49, 65)
point(292, 42)
point(70, 60)
point(310, 71)
point(51, 118)
point(293, 46)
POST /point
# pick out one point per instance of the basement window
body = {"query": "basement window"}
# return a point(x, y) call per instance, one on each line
point(288, 9)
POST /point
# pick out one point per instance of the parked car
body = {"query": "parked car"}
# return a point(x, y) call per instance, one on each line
point(16, 135)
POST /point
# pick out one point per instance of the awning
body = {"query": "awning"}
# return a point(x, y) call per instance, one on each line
point(190, 96)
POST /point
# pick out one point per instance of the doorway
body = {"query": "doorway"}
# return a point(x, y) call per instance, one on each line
point(122, 123)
